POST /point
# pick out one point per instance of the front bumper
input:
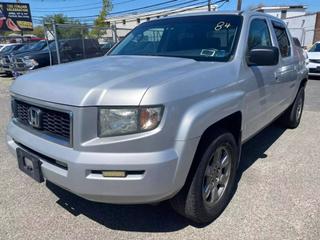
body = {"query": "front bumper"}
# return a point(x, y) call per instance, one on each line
point(19, 69)
point(6, 68)
point(164, 172)
point(314, 69)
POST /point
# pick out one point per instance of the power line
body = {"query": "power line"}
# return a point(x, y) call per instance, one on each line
point(94, 8)
point(154, 5)
point(141, 8)
point(167, 12)
point(61, 9)
point(132, 11)
point(162, 13)
point(174, 11)
point(223, 3)
point(68, 7)
point(73, 10)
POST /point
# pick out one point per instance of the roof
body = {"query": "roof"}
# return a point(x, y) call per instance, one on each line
point(242, 13)
point(206, 13)
point(284, 7)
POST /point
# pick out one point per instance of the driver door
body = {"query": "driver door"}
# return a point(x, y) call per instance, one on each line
point(261, 80)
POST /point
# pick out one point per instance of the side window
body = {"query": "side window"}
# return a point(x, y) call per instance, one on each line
point(283, 40)
point(259, 35)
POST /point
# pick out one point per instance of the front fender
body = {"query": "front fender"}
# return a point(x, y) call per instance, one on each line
point(205, 113)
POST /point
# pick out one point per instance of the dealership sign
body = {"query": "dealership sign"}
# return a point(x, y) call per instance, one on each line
point(15, 17)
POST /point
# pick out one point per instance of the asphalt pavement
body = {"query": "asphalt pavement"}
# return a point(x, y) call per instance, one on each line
point(278, 194)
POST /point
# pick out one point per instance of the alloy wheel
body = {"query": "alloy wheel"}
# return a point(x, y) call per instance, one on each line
point(217, 175)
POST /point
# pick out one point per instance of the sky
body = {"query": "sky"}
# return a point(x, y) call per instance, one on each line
point(85, 10)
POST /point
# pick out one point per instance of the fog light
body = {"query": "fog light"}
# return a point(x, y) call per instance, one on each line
point(114, 173)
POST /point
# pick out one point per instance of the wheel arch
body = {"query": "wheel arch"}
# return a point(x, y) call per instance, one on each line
point(303, 83)
point(231, 123)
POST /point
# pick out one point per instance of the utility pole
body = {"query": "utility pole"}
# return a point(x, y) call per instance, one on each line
point(239, 5)
point(209, 5)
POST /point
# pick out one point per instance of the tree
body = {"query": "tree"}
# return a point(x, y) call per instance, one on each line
point(100, 21)
point(38, 31)
point(57, 18)
point(66, 27)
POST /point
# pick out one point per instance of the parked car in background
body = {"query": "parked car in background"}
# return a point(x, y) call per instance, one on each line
point(6, 60)
point(7, 50)
point(70, 50)
point(4, 45)
point(314, 60)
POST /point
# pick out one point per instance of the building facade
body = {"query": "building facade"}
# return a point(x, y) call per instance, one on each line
point(306, 28)
point(283, 12)
point(126, 23)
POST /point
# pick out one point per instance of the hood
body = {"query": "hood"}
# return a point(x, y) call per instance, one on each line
point(2, 54)
point(26, 53)
point(31, 53)
point(314, 55)
point(21, 53)
point(108, 80)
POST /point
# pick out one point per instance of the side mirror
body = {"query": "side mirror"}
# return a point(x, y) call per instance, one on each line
point(263, 56)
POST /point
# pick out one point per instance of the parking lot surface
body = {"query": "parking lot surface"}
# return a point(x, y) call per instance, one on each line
point(278, 194)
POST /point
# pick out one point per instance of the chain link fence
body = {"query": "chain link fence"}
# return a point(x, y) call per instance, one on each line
point(72, 42)
point(306, 36)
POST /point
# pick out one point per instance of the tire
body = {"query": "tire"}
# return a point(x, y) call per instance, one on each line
point(292, 117)
point(197, 201)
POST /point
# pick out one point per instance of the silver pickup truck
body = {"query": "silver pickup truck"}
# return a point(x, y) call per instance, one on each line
point(164, 115)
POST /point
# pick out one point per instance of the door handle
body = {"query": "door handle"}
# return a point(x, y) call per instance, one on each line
point(276, 77)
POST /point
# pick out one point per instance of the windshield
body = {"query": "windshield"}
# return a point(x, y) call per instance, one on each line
point(203, 38)
point(315, 48)
point(52, 46)
point(38, 46)
point(25, 47)
point(8, 48)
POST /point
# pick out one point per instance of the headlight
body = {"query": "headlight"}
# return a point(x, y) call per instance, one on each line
point(30, 63)
point(122, 121)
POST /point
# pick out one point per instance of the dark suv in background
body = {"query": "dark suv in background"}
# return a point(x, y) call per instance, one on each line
point(69, 50)
point(6, 59)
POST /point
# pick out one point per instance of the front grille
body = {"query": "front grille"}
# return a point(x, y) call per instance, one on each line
point(52, 122)
point(314, 70)
point(6, 59)
point(18, 63)
point(18, 60)
point(314, 60)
